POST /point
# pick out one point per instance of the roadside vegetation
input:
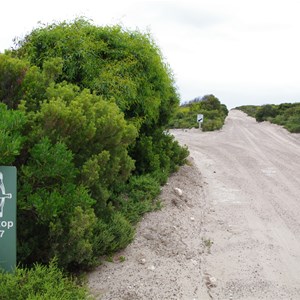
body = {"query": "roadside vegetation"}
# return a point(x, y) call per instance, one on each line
point(41, 282)
point(84, 112)
point(213, 111)
point(285, 114)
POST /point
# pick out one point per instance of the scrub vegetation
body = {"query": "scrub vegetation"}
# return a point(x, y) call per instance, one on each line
point(213, 111)
point(84, 112)
point(285, 114)
point(40, 282)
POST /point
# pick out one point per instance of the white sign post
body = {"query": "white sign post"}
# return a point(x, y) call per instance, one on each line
point(200, 119)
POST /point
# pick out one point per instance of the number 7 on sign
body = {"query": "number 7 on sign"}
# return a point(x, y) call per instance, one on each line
point(3, 195)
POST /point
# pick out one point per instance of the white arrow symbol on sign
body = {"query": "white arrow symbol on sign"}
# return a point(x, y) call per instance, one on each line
point(3, 195)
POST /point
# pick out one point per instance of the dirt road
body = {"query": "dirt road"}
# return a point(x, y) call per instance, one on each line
point(231, 231)
point(253, 175)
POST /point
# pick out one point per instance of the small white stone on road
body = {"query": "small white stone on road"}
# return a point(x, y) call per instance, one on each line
point(178, 191)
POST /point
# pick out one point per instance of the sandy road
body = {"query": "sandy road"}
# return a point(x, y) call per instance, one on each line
point(252, 172)
point(233, 232)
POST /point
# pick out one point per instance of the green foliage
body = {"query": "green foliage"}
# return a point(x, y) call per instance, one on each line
point(12, 73)
point(11, 138)
point(20, 81)
point(143, 188)
point(212, 124)
point(122, 231)
point(112, 232)
point(60, 209)
point(49, 165)
point(159, 155)
point(214, 113)
point(38, 283)
point(138, 197)
point(73, 238)
point(84, 109)
point(111, 61)
point(285, 114)
point(89, 126)
point(120, 65)
point(53, 68)
point(291, 117)
point(79, 148)
point(250, 110)
point(265, 112)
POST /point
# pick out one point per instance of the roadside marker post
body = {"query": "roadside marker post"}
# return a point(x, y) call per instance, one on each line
point(200, 119)
point(8, 215)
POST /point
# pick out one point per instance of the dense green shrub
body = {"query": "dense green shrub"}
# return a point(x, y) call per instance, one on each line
point(20, 81)
point(11, 138)
point(12, 75)
point(84, 111)
point(79, 154)
point(121, 230)
point(122, 66)
point(265, 112)
point(292, 117)
point(158, 155)
point(250, 110)
point(285, 114)
point(138, 197)
point(118, 64)
point(214, 113)
point(56, 205)
point(39, 283)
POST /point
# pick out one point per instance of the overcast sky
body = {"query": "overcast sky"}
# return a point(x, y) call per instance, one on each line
point(242, 51)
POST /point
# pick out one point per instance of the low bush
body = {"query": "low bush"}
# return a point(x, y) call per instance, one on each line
point(159, 155)
point(250, 110)
point(285, 114)
point(39, 283)
point(139, 197)
point(265, 113)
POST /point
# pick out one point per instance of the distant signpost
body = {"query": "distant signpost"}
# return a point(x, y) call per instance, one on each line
point(8, 211)
point(200, 119)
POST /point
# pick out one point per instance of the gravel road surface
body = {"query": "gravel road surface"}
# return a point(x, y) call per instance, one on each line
point(230, 226)
point(253, 175)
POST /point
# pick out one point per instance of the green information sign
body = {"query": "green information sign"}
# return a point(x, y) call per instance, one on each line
point(8, 211)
